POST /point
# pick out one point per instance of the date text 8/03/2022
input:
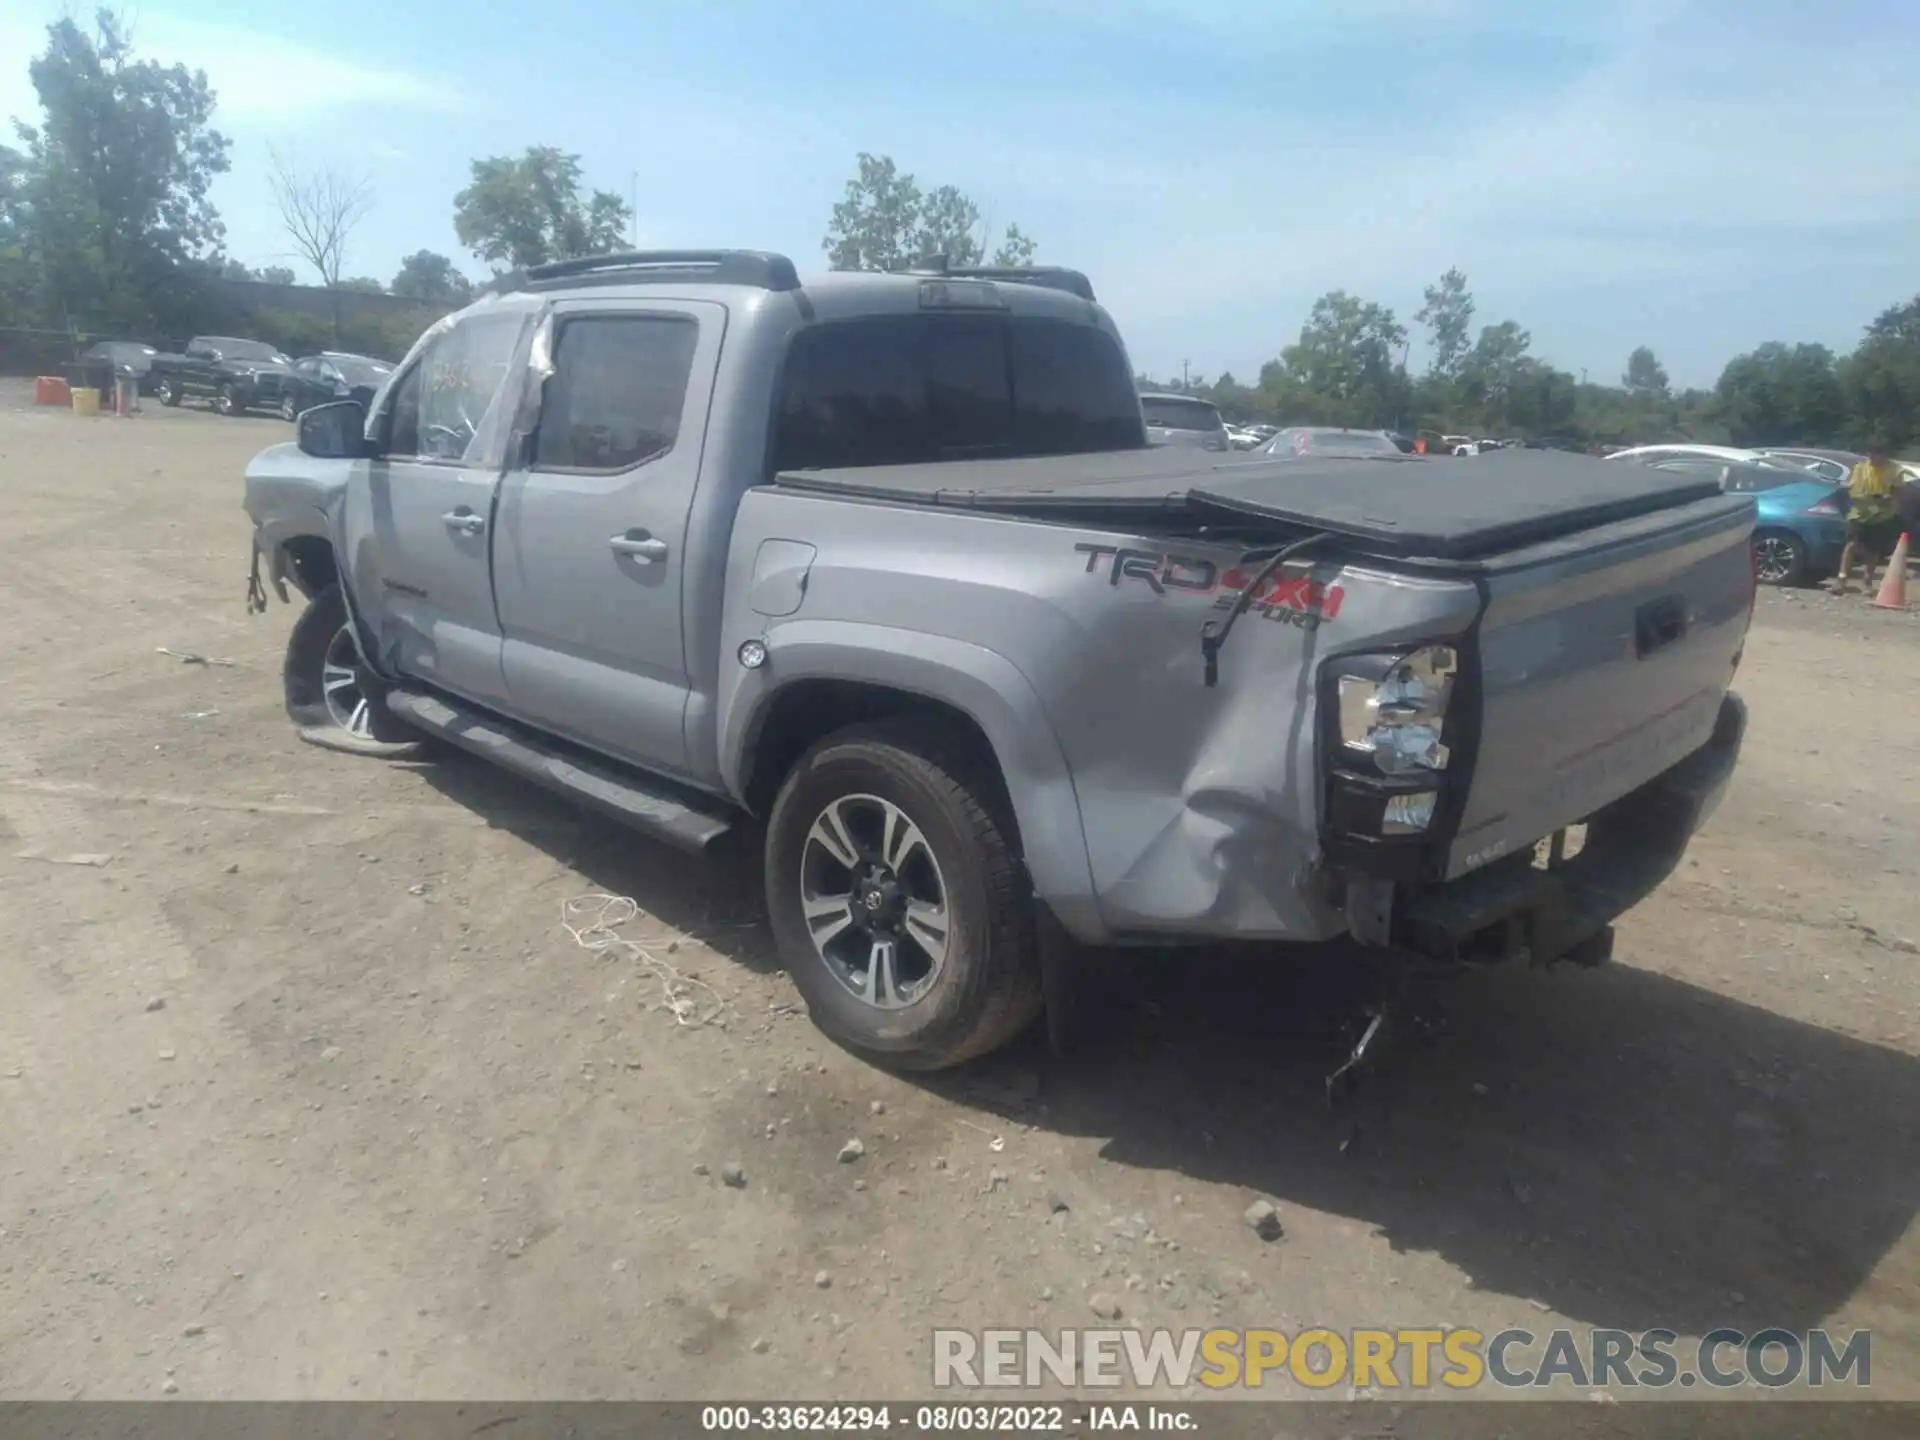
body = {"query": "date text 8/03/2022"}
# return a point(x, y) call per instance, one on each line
point(962, 1419)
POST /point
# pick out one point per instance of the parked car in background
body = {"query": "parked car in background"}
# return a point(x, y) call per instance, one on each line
point(235, 375)
point(1802, 516)
point(1242, 438)
point(125, 356)
point(331, 375)
point(1183, 420)
point(1330, 440)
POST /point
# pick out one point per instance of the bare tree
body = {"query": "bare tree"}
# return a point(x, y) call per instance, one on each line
point(319, 208)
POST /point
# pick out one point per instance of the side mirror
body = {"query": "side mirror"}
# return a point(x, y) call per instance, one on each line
point(337, 431)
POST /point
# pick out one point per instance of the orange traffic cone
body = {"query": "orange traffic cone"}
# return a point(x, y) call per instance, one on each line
point(1893, 589)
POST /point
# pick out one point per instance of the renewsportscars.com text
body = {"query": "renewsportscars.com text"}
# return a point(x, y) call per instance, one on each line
point(1402, 1359)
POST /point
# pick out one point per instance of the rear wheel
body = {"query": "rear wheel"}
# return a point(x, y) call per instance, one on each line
point(166, 392)
point(897, 900)
point(332, 698)
point(1779, 558)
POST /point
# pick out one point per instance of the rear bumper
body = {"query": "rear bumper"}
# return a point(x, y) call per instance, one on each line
point(1513, 907)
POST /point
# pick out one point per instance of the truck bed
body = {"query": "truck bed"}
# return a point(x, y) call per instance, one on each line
point(1392, 506)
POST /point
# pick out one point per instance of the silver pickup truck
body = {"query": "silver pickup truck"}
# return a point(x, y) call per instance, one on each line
point(886, 564)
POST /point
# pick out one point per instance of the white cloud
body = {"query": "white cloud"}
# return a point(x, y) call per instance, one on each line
point(265, 80)
point(261, 81)
point(1691, 158)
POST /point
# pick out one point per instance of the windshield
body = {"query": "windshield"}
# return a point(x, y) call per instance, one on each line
point(1172, 413)
point(362, 372)
point(249, 350)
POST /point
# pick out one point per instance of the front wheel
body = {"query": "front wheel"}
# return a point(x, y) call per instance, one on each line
point(166, 392)
point(897, 899)
point(1779, 558)
point(332, 698)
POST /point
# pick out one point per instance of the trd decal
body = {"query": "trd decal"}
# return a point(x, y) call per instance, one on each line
point(1291, 599)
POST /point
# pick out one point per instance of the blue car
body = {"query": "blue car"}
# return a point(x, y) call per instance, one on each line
point(1802, 524)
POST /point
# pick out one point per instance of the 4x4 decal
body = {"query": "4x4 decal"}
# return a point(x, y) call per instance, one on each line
point(1291, 599)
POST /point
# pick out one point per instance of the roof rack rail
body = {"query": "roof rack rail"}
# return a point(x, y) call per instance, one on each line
point(761, 269)
point(1052, 277)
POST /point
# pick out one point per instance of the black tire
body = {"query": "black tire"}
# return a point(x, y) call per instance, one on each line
point(166, 392)
point(227, 401)
point(289, 411)
point(320, 639)
point(1779, 558)
point(987, 988)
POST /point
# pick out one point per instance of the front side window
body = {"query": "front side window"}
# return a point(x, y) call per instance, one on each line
point(449, 400)
point(910, 389)
point(618, 387)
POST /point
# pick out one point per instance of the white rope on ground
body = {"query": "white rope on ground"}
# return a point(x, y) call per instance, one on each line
point(594, 922)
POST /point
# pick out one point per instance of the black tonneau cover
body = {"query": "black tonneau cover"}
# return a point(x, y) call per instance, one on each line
point(1443, 508)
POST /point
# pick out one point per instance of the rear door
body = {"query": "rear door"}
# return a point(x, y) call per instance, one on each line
point(590, 556)
point(418, 520)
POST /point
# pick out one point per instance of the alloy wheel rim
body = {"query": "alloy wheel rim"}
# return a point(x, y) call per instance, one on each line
point(287, 412)
point(875, 901)
point(1772, 558)
point(340, 687)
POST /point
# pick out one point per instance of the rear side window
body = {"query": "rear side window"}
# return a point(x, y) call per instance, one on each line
point(1172, 414)
point(618, 386)
point(1752, 479)
point(908, 389)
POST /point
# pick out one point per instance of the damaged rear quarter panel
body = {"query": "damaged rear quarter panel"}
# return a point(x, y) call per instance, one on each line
point(1198, 808)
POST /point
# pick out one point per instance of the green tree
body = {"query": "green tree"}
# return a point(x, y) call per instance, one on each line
point(530, 210)
point(1782, 395)
point(425, 275)
point(113, 188)
point(1645, 374)
point(1881, 380)
point(1490, 372)
point(1345, 369)
point(365, 284)
point(1016, 248)
point(885, 222)
point(1448, 314)
point(276, 275)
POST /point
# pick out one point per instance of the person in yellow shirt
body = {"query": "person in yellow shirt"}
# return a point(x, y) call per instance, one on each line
point(1873, 519)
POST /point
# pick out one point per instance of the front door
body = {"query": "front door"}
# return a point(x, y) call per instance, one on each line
point(419, 517)
point(592, 551)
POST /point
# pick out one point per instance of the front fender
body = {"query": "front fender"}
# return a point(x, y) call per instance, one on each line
point(984, 685)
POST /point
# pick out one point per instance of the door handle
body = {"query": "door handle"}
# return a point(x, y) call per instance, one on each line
point(463, 522)
point(639, 545)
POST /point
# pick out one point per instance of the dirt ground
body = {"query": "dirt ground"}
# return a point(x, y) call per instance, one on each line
point(306, 1092)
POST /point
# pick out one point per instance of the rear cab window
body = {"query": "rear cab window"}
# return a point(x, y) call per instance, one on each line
point(910, 389)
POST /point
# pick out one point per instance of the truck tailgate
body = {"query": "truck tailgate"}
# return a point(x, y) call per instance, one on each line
point(1602, 659)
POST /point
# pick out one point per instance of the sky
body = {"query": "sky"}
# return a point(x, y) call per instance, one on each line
point(1699, 176)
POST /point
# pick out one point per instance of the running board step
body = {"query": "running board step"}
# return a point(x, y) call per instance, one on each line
point(650, 807)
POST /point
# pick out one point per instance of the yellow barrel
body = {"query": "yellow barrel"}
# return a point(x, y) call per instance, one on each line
point(86, 401)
